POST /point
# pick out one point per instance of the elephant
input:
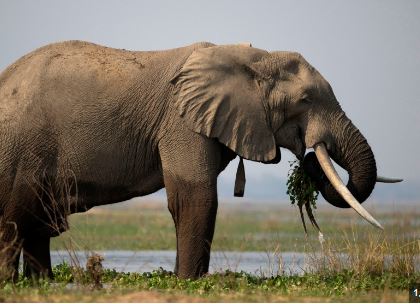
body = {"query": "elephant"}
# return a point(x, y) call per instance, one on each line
point(83, 125)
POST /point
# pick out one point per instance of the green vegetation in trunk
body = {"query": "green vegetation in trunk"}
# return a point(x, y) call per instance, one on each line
point(302, 191)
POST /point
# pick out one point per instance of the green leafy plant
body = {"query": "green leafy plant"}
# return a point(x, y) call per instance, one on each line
point(302, 191)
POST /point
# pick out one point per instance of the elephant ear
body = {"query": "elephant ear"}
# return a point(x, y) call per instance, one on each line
point(219, 97)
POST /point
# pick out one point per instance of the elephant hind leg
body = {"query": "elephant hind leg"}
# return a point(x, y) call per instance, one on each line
point(36, 257)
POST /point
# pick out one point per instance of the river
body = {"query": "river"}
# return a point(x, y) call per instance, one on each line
point(258, 263)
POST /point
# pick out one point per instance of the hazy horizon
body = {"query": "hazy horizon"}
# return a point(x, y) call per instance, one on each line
point(369, 51)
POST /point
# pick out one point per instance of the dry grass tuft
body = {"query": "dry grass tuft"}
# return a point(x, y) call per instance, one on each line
point(95, 270)
point(371, 255)
point(9, 248)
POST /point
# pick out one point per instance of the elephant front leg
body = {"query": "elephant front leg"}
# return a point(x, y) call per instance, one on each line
point(193, 208)
point(191, 164)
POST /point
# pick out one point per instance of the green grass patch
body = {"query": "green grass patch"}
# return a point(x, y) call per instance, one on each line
point(345, 285)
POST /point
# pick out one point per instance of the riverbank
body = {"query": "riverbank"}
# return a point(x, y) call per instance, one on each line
point(75, 285)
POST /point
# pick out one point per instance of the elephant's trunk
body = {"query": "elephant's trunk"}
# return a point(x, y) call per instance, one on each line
point(352, 152)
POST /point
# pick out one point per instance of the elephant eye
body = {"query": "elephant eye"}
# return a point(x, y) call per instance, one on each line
point(306, 100)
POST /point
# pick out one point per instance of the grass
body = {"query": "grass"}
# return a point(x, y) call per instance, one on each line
point(240, 226)
point(377, 266)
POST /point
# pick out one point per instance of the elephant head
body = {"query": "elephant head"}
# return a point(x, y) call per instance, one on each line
point(254, 102)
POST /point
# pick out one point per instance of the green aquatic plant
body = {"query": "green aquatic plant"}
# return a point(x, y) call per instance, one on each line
point(302, 191)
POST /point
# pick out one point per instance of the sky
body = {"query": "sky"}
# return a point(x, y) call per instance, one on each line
point(369, 51)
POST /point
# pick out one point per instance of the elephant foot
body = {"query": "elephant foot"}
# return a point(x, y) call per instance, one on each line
point(36, 257)
point(192, 261)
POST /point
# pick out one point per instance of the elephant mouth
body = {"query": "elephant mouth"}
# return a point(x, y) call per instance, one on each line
point(298, 149)
point(292, 138)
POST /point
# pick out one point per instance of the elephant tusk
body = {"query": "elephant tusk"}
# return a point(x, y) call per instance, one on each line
point(329, 170)
point(382, 179)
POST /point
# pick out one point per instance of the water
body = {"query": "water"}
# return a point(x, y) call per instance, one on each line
point(258, 263)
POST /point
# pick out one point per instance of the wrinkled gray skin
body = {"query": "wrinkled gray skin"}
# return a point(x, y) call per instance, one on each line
point(83, 125)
